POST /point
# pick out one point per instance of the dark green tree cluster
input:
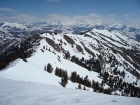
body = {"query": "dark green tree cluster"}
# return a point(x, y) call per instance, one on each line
point(116, 83)
point(99, 88)
point(79, 62)
point(107, 91)
point(77, 79)
point(86, 82)
point(67, 55)
point(49, 68)
point(58, 72)
point(91, 64)
point(63, 74)
point(94, 64)
point(95, 86)
point(105, 76)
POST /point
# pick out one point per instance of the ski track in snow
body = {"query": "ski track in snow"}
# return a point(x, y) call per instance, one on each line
point(29, 93)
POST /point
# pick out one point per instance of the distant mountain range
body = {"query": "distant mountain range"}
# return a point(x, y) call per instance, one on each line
point(10, 32)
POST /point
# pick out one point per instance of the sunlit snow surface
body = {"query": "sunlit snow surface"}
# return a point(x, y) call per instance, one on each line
point(29, 93)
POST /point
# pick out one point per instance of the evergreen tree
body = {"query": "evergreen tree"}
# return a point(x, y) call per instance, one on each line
point(49, 68)
point(63, 83)
point(60, 72)
point(67, 55)
point(65, 77)
point(93, 84)
point(57, 71)
point(96, 86)
point(73, 76)
point(84, 88)
point(79, 86)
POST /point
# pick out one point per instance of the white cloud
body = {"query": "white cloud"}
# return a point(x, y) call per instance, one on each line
point(112, 16)
point(92, 15)
point(7, 10)
point(52, 18)
point(126, 15)
point(19, 18)
point(80, 18)
point(52, 0)
point(94, 18)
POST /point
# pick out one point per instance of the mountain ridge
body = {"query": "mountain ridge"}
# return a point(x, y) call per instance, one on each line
point(97, 56)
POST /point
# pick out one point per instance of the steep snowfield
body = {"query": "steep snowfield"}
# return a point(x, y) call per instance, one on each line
point(30, 93)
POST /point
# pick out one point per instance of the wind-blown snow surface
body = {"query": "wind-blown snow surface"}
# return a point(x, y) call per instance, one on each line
point(29, 93)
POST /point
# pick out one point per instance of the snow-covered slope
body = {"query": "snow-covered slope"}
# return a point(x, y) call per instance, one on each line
point(111, 59)
point(29, 93)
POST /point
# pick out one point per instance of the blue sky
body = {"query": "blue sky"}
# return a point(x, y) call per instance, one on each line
point(107, 11)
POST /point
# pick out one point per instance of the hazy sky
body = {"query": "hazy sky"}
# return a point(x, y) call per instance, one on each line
point(107, 11)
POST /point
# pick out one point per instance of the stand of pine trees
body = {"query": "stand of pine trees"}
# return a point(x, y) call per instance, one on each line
point(63, 74)
point(91, 65)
